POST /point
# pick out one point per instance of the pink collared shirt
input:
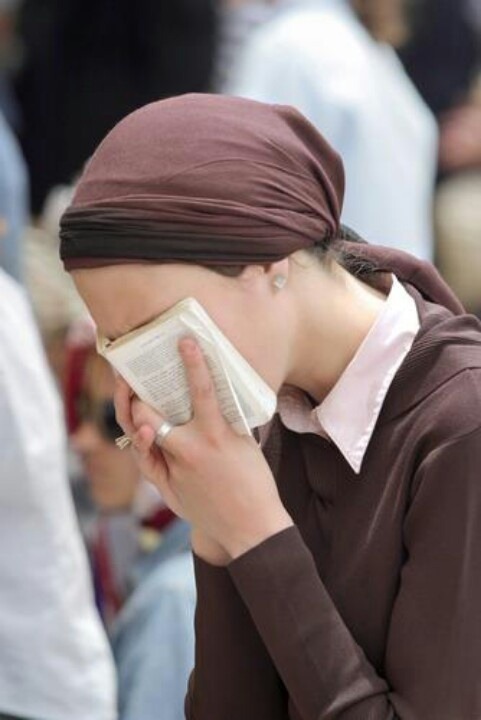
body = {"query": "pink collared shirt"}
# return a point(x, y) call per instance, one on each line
point(348, 414)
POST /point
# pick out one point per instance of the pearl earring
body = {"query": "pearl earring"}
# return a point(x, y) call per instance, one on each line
point(279, 281)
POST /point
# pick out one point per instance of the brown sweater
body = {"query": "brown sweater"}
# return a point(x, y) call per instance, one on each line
point(370, 607)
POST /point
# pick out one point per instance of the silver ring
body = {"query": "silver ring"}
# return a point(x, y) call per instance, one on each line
point(123, 442)
point(164, 429)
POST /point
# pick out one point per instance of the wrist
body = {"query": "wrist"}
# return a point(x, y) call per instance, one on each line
point(208, 550)
point(255, 535)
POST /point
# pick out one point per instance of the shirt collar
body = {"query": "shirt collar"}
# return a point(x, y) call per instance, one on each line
point(348, 414)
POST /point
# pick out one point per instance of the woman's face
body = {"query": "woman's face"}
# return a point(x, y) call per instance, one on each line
point(112, 475)
point(248, 310)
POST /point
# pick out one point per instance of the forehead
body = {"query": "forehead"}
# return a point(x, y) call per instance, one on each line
point(114, 295)
point(123, 297)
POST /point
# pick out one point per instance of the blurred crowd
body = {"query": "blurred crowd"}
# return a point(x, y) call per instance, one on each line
point(97, 593)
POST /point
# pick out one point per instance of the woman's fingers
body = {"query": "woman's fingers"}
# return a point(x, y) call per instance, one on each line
point(133, 415)
point(148, 455)
point(151, 421)
point(205, 405)
point(153, 466)
point(143, 414)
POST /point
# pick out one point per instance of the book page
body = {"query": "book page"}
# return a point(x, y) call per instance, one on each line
point(152, 366)
point(257, 400)
point(149, 360)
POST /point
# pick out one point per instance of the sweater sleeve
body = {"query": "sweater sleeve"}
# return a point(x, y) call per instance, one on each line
point(433, 652)
point(234, 677)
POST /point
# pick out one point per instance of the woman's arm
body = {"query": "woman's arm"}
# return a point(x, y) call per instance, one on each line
point(234, 676)
point(433, 653)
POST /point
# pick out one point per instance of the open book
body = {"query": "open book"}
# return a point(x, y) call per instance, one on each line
point(149, 361)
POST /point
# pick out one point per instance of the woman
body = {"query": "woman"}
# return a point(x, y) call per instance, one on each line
point(337, 570)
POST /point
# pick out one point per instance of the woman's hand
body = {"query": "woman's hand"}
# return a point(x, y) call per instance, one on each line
point(216, 479)
point(207, 549)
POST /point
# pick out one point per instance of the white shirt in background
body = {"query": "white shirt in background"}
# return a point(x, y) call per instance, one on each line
point(55, 662)
point(316, 55)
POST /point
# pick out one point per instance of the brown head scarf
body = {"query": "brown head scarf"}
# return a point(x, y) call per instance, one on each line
point(205, 179)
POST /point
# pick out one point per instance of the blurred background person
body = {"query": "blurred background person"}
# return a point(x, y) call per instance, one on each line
point(89, 63)
point(458, 228)
point(10, 59)
point(458, 205)
point(442, 53)
point(55, 662)
point(55, 302)
point(140, 551)
point(443, 58)
point(13, 174)
point(333, 60)
point(13, 202)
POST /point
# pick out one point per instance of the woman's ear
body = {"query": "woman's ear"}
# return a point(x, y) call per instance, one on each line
point(277, 274)
point(274, 275)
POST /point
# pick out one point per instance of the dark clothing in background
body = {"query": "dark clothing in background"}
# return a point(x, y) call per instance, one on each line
point(369, 607)
point(90, 62)
point(443, 53)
